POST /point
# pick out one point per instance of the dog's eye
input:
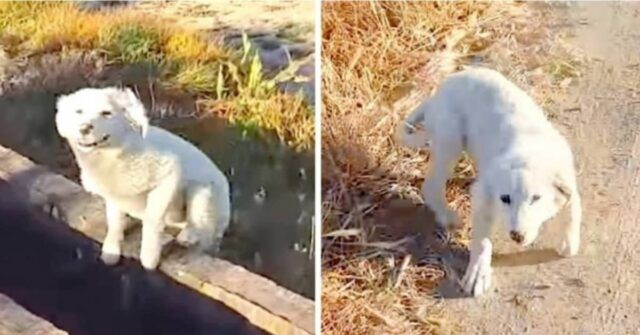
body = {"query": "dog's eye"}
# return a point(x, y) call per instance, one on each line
point(535, 198)
point(506, 199)
point(105, 113)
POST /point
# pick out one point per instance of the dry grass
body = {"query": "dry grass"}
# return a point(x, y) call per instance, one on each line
point(223, 80)
point(379, 60)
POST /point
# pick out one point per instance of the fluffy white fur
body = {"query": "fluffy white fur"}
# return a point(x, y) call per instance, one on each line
point(526, 171)
point(143, 171)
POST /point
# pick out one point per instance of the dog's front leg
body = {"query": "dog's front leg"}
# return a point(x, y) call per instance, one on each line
point(158, 202)
point(571, 242)
point(87, 183)
point(116, 224)
point(477, 278)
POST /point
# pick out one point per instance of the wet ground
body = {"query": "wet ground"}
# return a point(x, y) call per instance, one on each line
point(272, 186)
point(54, 272)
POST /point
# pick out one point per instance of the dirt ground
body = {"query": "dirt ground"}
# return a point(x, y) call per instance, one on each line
point(595, 292)
point(296, 18)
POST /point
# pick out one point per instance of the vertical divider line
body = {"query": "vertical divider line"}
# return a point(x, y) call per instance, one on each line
point(318, 166)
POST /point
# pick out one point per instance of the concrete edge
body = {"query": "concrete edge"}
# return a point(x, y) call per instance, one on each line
point(17, 320)
point(260, 300)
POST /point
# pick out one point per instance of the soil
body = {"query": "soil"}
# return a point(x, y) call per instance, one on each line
point(596, 292)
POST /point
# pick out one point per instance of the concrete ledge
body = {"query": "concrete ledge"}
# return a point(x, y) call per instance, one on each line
point(15, 320)
point(260, 300)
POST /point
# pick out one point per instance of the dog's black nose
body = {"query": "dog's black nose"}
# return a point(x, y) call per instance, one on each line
point(85, 129)
point(516, 236)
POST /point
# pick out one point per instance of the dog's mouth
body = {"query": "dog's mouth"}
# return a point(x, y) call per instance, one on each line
point(94, 144)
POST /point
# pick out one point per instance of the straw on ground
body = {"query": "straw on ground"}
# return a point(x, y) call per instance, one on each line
point(379, 60)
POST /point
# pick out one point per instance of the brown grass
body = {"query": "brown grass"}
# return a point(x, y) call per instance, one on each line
point(379, 60)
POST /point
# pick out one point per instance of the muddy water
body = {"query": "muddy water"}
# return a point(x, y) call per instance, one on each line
point(272, 186)
point(272, 201)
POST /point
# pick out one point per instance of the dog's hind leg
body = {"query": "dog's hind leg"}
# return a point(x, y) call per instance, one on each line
point(158, 203)
point(208, 214)
point(571, 242)
point(446, 150)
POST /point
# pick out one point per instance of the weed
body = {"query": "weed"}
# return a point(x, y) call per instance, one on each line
point(202, 78)
point(132, 43)
point(185, 46)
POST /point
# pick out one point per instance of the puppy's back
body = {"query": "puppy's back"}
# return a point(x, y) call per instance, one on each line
point(493, 113)
point(196, 166)
point(484, 91)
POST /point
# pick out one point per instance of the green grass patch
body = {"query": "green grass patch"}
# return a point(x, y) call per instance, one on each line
point(132, 43)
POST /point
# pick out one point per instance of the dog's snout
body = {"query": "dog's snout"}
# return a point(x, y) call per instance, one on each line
point(85, 129)
point(516, 236)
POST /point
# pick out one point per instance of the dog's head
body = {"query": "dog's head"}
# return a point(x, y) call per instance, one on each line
point(527, 198)
point(93, 118)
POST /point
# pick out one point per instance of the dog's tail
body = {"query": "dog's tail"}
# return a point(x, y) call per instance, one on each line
point(411, 131)
point(209, 213)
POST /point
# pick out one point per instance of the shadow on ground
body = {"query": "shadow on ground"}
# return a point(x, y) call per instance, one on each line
point(407, 229)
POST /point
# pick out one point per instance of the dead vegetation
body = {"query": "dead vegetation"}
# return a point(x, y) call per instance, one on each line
point(379, 60)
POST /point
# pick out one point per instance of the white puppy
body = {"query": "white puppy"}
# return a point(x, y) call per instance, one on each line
point(143, 171)
point(525, 167)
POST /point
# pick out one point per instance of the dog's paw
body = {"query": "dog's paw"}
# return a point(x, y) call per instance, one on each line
point(110, 253)
point(187, 237)
point(477, 278)
point(569, 247)
point(110, 258)
point(150, 256)
point(148, 261)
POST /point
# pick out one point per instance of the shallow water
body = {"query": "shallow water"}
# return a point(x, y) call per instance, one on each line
point(272, 201)
point(272, 186)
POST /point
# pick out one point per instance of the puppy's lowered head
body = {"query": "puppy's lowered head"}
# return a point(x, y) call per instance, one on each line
point(526, 198)
point(95, 118)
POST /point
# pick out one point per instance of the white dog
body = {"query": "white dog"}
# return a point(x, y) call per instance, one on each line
point(143, 171)
point(525, 167)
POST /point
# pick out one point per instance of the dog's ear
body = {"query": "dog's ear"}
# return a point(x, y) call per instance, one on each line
point(132, 107)
point(563, 191)
point(62, 105)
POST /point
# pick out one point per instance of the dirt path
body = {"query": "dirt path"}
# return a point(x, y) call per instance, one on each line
point(293, 18)
point(598, 291)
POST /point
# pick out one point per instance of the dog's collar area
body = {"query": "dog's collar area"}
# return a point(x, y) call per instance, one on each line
point(96, 143)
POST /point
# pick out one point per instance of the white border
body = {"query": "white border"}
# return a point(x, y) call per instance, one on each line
point(318, 167)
